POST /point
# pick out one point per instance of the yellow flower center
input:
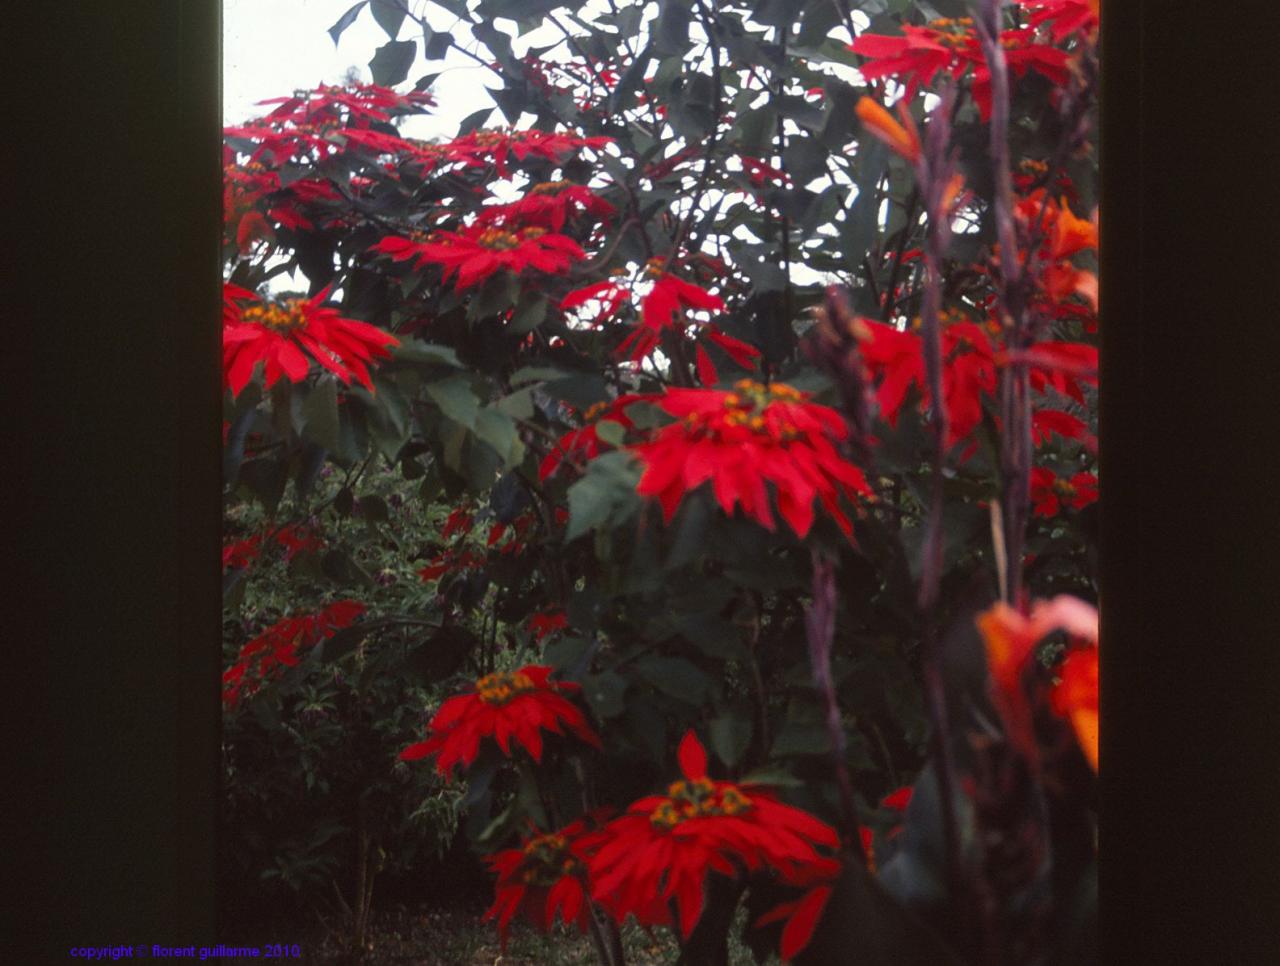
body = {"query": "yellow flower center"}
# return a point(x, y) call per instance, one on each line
point(953, 31)
point(547, 858)
point(594, 410)
point(746, 405)
point(282, 318)
point(549, 187)
point(1064, 488)
point(697, 798)
point(501, 686)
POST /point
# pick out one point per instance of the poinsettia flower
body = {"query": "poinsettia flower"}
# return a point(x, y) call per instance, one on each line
point(296, 539)
point(898, 799)
point(666, 845)
point(505, 706)
point(803, 914)
point(361, 103)
point(741, 440)
point(1046, 422)
point(1049, 492)
point(240, 553)
point(548, 204)
point(547, 622)
point(609, 295)
point(663, 309)
point(896, 360)
point(584, 443)
point(278, 647)
point(1075, 697)
point(276, 333)
point(498, 146)
point(920, 54)
point(545, 879)
point(473, 254)
point(1065, 17)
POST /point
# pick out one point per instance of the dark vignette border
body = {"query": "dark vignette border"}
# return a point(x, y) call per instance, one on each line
point(110, 370)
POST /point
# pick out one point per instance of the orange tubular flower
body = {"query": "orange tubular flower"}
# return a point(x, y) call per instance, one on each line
point(545, 879)
point(1076, 698)
point(1010, 639)
point(504, 705)
point(902, 138)
point(742, 440)
point(664, 845)
point(276, 334)
point(475, 253)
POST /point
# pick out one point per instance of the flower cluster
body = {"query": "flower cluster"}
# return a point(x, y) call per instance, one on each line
point(548, 205)
point(743, 439)
point(473, 254)
point(276, 333)
point(1050, 492)
point(497, 147)
point(664, 846)
point(278, 647)
point(950, 46)
point(504, 706)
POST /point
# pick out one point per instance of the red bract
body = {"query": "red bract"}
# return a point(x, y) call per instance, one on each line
point(664, 309)
point(277, 647)
point(951, 46)
point(740, 441)
point(548, 622)
point(584, 444)
point(1049, 493)
point(610, 295)
point(240, 553)
point(359, 103)
point(276, 334)
point(548, 205)
point(1066, 17)
point(480, 148)
point(475, 253)
point(664, 846)
point(545, 879)
point(505, 705)
point(968, 371)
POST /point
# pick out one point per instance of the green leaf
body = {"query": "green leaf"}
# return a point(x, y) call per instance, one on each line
point(605, 494)
point(345, 21)
point(320, 413)
point(518, 405)
point(391, 62)
point(474, 120)
point(730, 736)
point(671, 31)
point(565, 652)
point(676, 676)
point(604, 693)
point(528, 315)
point(861, 219)
point(426, 352)
point(435, 43)
point(801, 738)
point(805, 159)
point(455, 399)
point(535, 374)
point(499, 430)
point(611, 432)
point(390, 15)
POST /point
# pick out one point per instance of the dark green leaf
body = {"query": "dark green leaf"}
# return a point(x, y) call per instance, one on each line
point(391, 62)
point(320, 413)
point(474, 120)
point(604, 693)
point(671, 32)
point(435, 43)
point(455, 399)
point(676, 676)
point(390, 15)
point(345, 21)
point(730, 736)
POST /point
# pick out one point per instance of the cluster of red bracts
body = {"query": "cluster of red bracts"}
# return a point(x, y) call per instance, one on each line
point(650, 861)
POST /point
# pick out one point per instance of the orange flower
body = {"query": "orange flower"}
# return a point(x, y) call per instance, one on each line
point(1075, 697)
point(902, 138)
point(505, 705)
point(1010, 639)
point(741, 440)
